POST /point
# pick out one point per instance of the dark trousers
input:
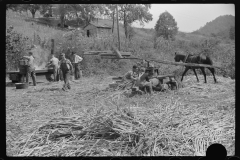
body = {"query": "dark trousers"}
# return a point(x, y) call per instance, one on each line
point(31, 72)
point(55, 74)
point(66, 78)
point(60, 74)
point(76, 68)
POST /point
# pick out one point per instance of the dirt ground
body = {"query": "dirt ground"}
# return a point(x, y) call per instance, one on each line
point(198, 103)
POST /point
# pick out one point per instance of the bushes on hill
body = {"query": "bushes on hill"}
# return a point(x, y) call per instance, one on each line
point(16, 46)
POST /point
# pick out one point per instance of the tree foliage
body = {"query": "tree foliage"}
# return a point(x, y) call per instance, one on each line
point(111, 12)
point(166, 26)
point(46, 10)
point(13, 7)
point(33, 8)
point(232, 33)
point(84, 13)
point(129, 13)
point(16, 46)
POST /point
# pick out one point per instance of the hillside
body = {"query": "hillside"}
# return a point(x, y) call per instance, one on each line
point(46, 28)
point(219, 26)
point(141, 45)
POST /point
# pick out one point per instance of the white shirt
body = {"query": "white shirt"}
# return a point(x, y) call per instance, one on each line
point(77, 59)
point(54, 61)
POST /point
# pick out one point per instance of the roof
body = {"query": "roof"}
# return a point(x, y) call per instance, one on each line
point(98, 25)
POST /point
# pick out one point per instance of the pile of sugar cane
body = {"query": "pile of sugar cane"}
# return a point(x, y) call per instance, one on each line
point(182, 123)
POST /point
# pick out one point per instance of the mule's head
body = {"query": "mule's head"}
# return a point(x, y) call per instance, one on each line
point(177, 57)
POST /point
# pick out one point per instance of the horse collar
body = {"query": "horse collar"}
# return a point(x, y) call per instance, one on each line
point(184, 61)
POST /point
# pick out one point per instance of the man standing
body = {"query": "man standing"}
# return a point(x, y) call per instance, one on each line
point(66, 67)
point(76, 59)
point(54, 62)
point(30, 68)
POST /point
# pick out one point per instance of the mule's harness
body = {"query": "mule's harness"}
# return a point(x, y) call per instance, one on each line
point(184, 61)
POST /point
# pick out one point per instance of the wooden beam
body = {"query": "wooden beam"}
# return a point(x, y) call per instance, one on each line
point(173, 63)
point(111, 54)
point(106, 53)
point(118, 54)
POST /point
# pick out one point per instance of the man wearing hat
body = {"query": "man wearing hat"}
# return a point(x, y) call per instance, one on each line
point(30, 68)
point(76, 59)
point(66, 68)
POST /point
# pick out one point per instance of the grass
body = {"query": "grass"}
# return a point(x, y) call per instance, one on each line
point(26, 27)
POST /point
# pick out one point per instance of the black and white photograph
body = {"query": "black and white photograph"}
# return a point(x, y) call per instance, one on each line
point(97, 80)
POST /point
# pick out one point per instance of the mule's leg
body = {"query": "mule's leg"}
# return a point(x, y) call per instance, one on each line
point(204, 74)
point(212, 70)
point(186, 69)
point(195, 74)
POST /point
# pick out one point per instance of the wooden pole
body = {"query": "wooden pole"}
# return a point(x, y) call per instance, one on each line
point(119, 47)
point(174, 63)
point(117, 53)
point(52, 46)
point(113, 22)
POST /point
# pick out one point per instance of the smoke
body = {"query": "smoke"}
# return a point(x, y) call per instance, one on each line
point(41, 57)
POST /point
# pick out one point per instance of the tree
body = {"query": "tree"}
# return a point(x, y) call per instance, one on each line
point(232, 33)
point(90, 12)
point(33, 8)
point(131, 32)
point(83, 12)
point(110, 11)
point(13, 7)
point(16, 47)
point(46, 10)
point(166, 26)
point(130, 13)
point(62, 10)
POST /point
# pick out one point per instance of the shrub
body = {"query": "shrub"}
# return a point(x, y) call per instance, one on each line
point(16, 46)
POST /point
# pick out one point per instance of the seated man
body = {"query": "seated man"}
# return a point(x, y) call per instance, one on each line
point(132, 75)
point(146, 83)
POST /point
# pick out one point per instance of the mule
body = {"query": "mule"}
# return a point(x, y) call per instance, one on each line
point(198, 59)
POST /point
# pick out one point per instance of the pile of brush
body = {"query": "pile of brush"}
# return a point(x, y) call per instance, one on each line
point(165, 124)
point(75, 136)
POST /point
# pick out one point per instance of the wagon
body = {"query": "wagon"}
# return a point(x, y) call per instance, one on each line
point(18, 76)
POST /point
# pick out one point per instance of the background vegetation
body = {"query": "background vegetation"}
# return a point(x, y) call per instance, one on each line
point(145, 43)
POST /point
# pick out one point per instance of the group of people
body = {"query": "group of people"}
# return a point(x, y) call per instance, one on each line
point(144, 79)
point(62, 69)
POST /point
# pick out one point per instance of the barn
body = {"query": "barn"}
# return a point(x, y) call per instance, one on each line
point(96, 29)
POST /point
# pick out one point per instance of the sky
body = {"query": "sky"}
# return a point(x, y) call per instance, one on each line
point(189, 17)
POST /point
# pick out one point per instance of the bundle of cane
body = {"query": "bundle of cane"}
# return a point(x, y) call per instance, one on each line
point(200, 145)
point(126, 85)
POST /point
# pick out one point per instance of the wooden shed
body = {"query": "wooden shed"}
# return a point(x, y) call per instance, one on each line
point(96, 29)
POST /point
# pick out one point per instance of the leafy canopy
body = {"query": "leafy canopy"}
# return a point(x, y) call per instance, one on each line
point(166, 26)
